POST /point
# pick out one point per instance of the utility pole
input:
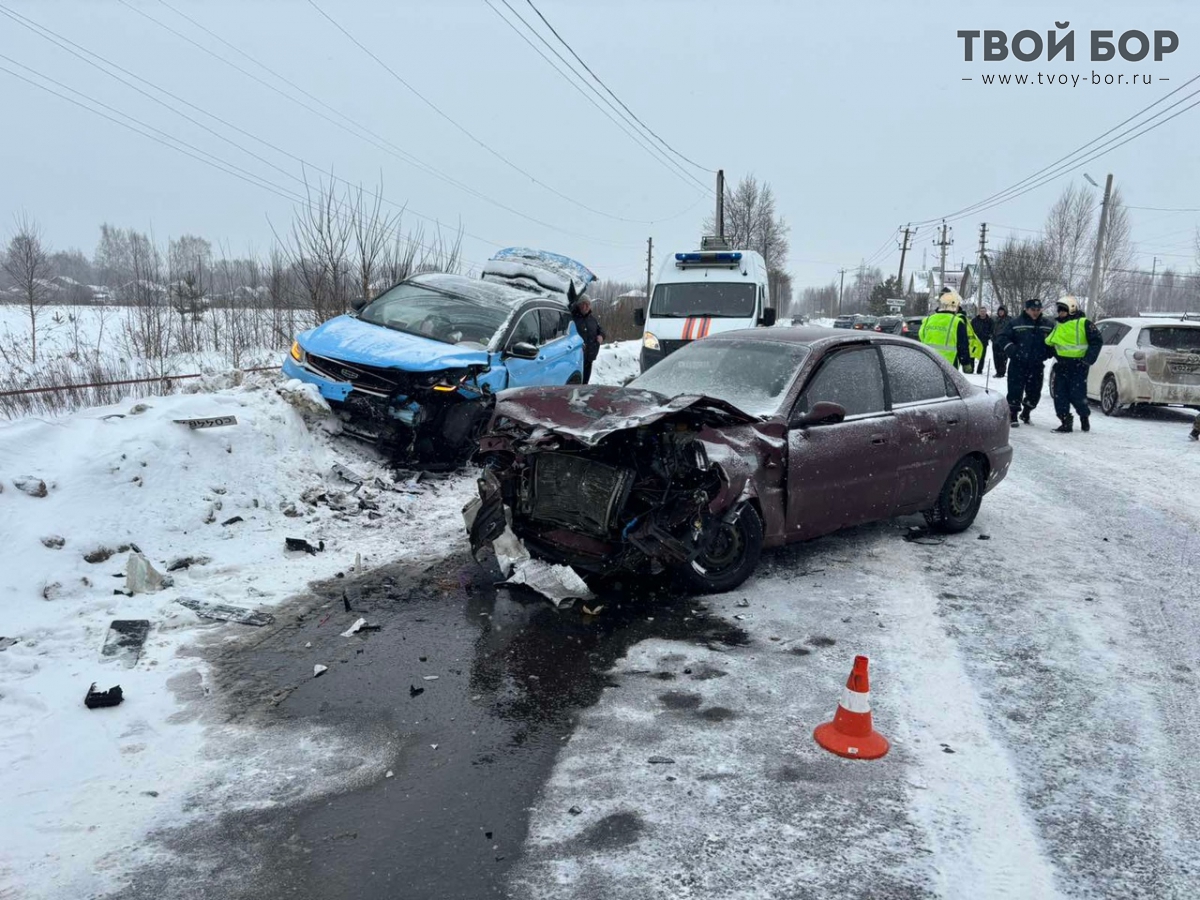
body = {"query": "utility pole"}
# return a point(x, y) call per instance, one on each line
point(903, 251)
point(720, 203)
point(982, 251)
point(841, 285)
point(1093, 304)
point(1153, 272)
point(649, 263)
point(943, 244)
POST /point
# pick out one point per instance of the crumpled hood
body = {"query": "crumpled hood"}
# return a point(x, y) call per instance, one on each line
point(354, 341)
point(589, 413)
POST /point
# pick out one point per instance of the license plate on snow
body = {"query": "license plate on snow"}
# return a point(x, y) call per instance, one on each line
point(214, 422)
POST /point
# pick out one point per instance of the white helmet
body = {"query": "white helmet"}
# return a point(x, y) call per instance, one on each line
point(1070, 303)
point(949, 301)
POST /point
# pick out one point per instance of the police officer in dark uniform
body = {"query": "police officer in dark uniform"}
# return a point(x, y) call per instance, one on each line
point(1022, 341)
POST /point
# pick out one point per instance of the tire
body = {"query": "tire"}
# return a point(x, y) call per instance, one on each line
point(732, 557)
point(1110, 397)
point(958, 503)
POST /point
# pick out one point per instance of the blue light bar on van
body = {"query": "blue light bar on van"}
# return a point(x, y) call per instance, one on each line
point(708, 258)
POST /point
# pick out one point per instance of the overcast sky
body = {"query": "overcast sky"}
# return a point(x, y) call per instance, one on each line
point(856, 113)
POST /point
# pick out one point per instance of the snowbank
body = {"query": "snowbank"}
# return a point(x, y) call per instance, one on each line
point(88, 783)
point(617, 363)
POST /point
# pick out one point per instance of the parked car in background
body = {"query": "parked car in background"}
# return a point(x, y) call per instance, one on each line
point(744, 440)
point(1146, 362)
point(844, 322)
point(413, 368)
point(911, 327)
point(865, 323)
point(889, 324)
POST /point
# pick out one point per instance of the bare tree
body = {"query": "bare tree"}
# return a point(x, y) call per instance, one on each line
point(27, 263)
point(373, 230)
point(1022, 270)
point(753, 223)
point(1116, 258)
point(318, 250)
point(1070, 236)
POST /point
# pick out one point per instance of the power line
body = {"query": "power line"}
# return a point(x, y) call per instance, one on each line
point(379, 142)
point(673, 167)
point(166, 140)
point(1175, 209)
point(597, 79)
point(980, 207)
point(66, 44)
point(474, 138)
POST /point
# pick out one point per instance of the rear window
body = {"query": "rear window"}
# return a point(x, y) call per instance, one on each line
point(1185, 338)
point(751, 375)
point(704, 298)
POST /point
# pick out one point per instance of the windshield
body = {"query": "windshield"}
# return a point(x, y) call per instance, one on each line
point(751, 375)
point(1174, 337)
point(704, 298)
point(442, 317)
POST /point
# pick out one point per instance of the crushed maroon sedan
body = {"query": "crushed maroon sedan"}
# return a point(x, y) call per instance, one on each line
point(744, 440)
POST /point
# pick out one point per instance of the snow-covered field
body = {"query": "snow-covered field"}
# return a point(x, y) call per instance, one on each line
point(1039, 687)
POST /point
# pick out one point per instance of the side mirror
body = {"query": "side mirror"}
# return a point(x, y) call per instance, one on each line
point(639, 318)
point(823, 413)
point(358, 303)
point(523, 350)
point(768, 318)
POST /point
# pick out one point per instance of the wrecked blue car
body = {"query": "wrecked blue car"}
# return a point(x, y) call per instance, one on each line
point(414, 369)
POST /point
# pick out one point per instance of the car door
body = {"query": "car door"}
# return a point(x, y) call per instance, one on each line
point(526, 330)
point(1111, 334)
point(561, 347)
point(842, 474)
point(931, 424)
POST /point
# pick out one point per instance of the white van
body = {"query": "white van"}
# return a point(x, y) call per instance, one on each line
point(704, 292)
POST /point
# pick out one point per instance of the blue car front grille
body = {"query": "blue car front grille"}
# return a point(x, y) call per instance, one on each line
point(365, 378)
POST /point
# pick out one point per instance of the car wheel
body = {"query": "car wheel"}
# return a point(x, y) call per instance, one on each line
point(1110, 397)
point(958, 503)
point(576, 378)
point(731, 556)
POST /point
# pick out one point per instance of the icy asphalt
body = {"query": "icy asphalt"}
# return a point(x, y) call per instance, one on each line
point(1036, 676)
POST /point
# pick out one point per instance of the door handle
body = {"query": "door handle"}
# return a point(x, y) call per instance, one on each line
point(878, 439)
point(950, 421)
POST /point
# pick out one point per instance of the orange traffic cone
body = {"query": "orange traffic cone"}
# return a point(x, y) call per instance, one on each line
point(851, 734)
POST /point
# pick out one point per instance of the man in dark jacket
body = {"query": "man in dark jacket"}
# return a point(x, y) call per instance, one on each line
point(1023, 343)
point(982, 323)
point(998, 324)
point(589, 329)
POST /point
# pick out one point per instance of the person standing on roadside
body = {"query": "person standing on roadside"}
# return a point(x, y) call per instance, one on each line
point(998, 324)
point(982, 323)
point(1023, 343)
point(590, 330)
point(949, 333)
point(1076, 345)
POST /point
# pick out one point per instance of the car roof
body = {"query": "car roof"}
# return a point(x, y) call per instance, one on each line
point(809, 335)
point(485, 293)
point(1151, 321)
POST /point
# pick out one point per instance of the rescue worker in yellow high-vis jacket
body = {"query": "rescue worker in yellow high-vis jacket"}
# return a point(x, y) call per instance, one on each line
point(949, 333)
point(1076, 345)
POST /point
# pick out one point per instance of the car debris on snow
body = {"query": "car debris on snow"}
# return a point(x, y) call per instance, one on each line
point(560, 583)
point(226, 613)
point(210, 422)
point(233, 521)
point(353, 629)
point(575, 811)
point(300, 545)
point(186, 562)
point(340, 471)
point(319, 670)
point(30, 485)
point(95, 699)
point(429, 677)
point(389, 774)
point(143, 578)
point(414, 691)
point(53, 542)
point(125, 640)
point(661, 761)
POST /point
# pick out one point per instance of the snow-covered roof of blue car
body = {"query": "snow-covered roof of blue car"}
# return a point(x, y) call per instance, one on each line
point(537, 270)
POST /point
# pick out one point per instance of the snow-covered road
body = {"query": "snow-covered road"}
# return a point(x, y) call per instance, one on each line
point(1039, 688)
